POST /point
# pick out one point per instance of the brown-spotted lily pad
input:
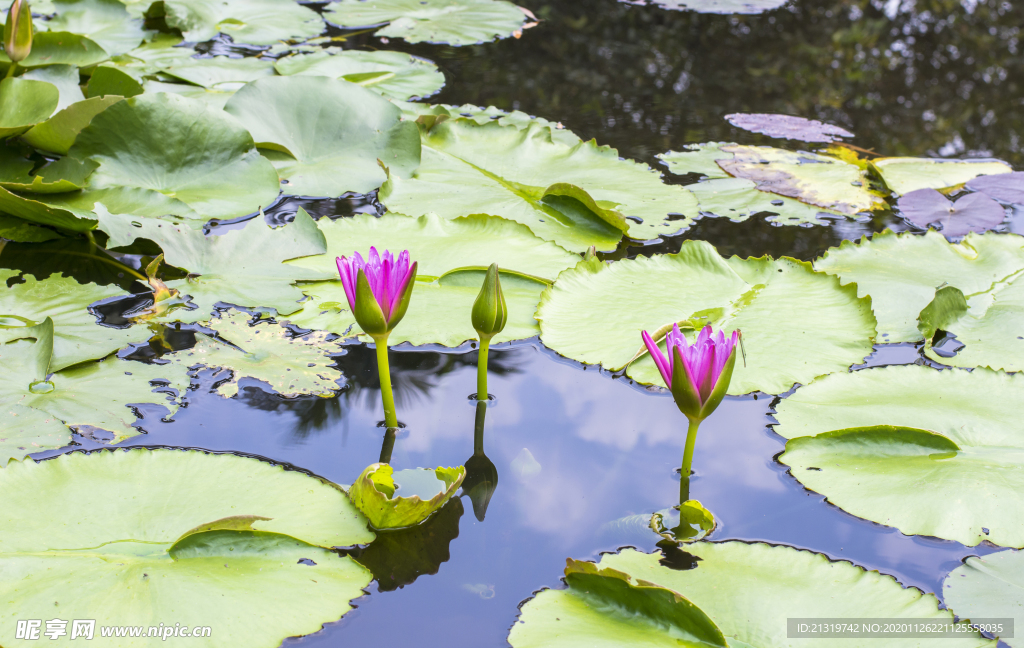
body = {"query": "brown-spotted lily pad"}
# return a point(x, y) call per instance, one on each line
point(975, 212)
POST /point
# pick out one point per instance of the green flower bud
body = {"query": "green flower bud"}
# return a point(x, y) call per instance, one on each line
point(489, 310)
point(18, 31)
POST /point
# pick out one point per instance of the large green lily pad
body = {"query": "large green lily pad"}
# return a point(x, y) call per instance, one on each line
point(58, 133)
point(988, 587)
point(325, 136)
point(62, 48)
point(25, 430)
point(603, 607)
point(900, 272)
point(105, 22)
point(241, 267)
point(750, 590)
point(219, 72)
point(698, 158)
point(182, 149)
point(935, 453)
point(292, 366)
point(24, 103)
point(904, 174)
point(66, 78)
point(250, 562)
point(89, 395)
point(77, 336)
point(515, 173)
point(259, 22)
point(797, 324)
point(454, 22)
point(395, 75)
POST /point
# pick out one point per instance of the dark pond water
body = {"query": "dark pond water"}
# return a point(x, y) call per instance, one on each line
point(583, 457)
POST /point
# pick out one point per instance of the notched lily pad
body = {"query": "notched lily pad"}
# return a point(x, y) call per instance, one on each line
point(291, 365)
point(904, 174)
point(975, 212)
point(788, 126)
point(686, 523)
point(257, 22)
point(395, 75)
point(397, 500)
point(453, 22)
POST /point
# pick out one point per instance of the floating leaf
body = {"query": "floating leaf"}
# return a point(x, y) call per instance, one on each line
point(24, 103)
point(507, 171)
point(62, 48)
point(163, 51)
point(291, 365)
point(65, 78)
point(241, 267)
point(41, 210)
point(15, 229)
point(797, 324)
point(437, 113)
point(722, 6)
point(1004, 187)
point(738, 199)
point(935, 453)
point(108, 81)
point(105, 22)
point(904, 174)
point(749, 590)
point(988, 587)
point(974, 212)
point(605, 607)
point(179, 148)
point(248, 561)
point(58, 133)
point(324, 136)
point(25, 430)
point(220, 72)
point(901, 272)
point(698, 158)
point(786, 126)
point(258, 22)
point(93, 394)
point(395, 75)
point(814, 179)
point(215, 99)
point(377, 496)
point(453, 22)
point(77, 336)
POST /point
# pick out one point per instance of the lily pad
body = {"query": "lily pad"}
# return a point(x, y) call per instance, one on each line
point(513, 173)
point(257, 22)
point(251, 562)
point(988, 587)
point(376, 495)
point(814, 179)
point(974, 212)
point(738, 199)
point(66, 79)
point(900, 272)
point(242, 267)
point(24, 430)
point(62, 48)
point(904, 174)
point(436, 113)
point(24, 103)
point(58, 133)
point(92, 394)
point(15, 229)
point(105, 22)
point(292, 366)
point(749, 590)
point(215, 99)
point(797, 324)
point(698, 158)
point(109, 81)
point(605, 607)
point(395, 75)
point(77, 336)
point(220, 72)
point(1004, 187)
point(786, 126)
point(453, 22)
point(324, 136)
point(179, 148)
point(722, 6)
point(440, 246)
point(38, 209)
point(877, 436)
point(61, 176)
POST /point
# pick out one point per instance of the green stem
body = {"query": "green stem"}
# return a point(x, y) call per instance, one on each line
point(10, 70)
point(478, 429)
point(481, 370)
point(388, 446)
point(684, 474)
point(384, 370)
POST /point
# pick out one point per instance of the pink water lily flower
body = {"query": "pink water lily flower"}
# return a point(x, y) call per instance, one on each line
point(698, 374)
point(389, 283)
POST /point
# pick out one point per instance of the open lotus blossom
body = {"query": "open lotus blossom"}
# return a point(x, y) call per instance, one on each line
point(388, 286)
point(698, 374)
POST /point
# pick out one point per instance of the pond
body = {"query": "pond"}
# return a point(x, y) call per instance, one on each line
point(871, 420)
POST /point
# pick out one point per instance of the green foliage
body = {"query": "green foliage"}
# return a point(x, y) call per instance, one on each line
point(395, 75)
point(988, 587)
point(378, 494)
point(455, 22)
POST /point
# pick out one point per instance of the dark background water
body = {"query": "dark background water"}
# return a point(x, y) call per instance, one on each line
point(583, 457)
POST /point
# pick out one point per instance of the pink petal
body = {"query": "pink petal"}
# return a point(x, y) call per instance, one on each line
point(345, 271)
point(664, 366)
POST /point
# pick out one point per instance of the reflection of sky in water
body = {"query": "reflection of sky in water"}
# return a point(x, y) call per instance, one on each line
point(598, 450)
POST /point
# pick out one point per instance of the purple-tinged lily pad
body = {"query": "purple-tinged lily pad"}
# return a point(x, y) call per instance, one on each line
point(974, 212)
point(1004, 187)
point(788, 127)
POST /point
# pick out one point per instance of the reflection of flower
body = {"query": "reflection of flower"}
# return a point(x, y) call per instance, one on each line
point(388, 286)
point(698, 374)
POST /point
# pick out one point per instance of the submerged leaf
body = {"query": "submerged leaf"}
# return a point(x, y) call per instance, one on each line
point(974, 212)
point(120, 559)
point(935, 453)
point(453, 22)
